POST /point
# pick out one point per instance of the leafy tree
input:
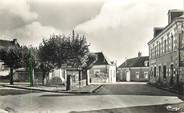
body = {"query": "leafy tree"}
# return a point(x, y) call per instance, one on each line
point(46, 57)
point(45, 67)
point(30, 53)
point(92, 58)
point(71, 50)
point(12, 57)
point(30, 61)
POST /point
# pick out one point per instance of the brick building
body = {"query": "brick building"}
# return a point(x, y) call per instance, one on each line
point(134, 69)
point(166, 52)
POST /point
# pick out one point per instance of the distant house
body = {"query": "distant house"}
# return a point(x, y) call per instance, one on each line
point(134, 69)
point(103, 70)
point(4, 70)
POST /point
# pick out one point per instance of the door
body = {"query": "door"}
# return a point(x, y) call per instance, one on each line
point(171, 72)
point(159, 73)
point(164, 72)
point(128, 76)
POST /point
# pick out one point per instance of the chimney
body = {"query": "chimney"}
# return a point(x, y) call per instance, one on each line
point(172, 14)
point(139, 54)
point(157, 31)
point(14, 41)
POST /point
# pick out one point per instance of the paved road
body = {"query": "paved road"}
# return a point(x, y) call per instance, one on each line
point(132, 89)
point(107, 97)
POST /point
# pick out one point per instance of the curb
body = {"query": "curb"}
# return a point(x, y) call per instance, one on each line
point(94, 90)
point(58, 91)
point(29, 88)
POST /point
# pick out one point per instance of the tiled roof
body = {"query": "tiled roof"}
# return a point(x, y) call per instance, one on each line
point(7, 43)
point(101, 60)
point(135, 62)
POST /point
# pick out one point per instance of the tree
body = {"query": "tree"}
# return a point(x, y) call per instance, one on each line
point(12, 57)
point(71, 50)
point(45, 67)
point(91, 59)
point(30, 53)
point(46, 57)
point(30, 60)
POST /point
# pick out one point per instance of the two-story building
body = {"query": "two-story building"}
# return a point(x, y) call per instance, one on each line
point(166, 51)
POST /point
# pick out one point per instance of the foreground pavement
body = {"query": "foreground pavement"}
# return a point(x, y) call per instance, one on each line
point(110, 98)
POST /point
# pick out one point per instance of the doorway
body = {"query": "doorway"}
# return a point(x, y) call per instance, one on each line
point(128, 76)
point(159, 73)
point(171, 78)
point(164, 72)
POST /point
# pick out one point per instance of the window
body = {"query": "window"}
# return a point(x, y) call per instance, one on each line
point(146, 63)
point(155, 51)
point(146, 75)
point(150, 51)
point(182, 40)
point(175, 41)
point(137, 75)
point(171, 42)
point(159, 49)
point(162, 45)
point(165, 46)
point(168, 44)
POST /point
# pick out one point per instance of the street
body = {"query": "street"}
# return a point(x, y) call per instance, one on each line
point(126, 97)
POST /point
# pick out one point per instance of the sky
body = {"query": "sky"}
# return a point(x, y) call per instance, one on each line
point(118, 28)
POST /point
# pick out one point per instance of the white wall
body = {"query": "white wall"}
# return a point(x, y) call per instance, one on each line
point(112, 73)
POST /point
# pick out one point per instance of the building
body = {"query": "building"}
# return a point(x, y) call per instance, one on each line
point(103, 70)
point(134, 69)
point(166, 52)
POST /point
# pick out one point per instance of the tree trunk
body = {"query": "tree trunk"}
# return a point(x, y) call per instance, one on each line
point(11, 76)
point(86, 74)
point(79, 78)
point(43, 78)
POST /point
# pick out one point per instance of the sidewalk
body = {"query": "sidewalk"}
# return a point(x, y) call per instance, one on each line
point(167, 89)
point(86, 89)
point(178, 107)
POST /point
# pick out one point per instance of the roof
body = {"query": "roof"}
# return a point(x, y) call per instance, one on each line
point(175, 10)
point(135, 62)
point(6, 43)
point(180, 18)
point(101, 59)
